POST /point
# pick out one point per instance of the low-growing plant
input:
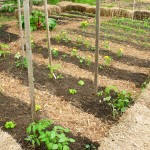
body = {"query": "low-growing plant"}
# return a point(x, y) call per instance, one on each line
point(79, 40)
point(10, 8)
point(107, 60)
point(72, 91)
point(74, 52)
point(37, 2)
point(37, 107)
point(81, 83)
point(106, 45)
point(10, 125)
point(119, 53)
point(145, 83)
point(84, 24)
point(90, 147)
point(45, 133)
point(117, 101)
point(64, 56)
point(3, 51)
point(81, 59)
point(53, 71)
point(88, 60)
point(21, 61)
point(55, 52)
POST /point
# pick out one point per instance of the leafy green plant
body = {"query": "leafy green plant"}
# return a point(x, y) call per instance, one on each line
point(145, 83)
point(119, 53)
point(20, 61)
point(37, 21)
point(53, 71)
point(81, 83)
point(90, 147)
point(10, 8)
point(117, 101)
point(10, 125)
point(107, 60)
point(37, 2)
point(44, 132)
point(81, 59)
point(72, 91)
point(55, 52)
point(88, 60)
point(64, 56)
point(37, 107)
point(84, 24)
point(74, 52)
point(3, 51)
point(106, 45)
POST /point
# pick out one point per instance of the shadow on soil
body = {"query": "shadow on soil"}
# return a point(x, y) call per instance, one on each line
point(7, 37)
point(109, 71)
point(12, 109)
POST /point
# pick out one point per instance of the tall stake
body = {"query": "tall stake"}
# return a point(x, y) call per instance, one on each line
point(97, 45)
point(29, 56)
point(21, 31)
point(48, 32)
point(133, 9)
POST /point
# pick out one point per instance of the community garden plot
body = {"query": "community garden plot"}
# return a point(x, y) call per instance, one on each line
point(124, 61)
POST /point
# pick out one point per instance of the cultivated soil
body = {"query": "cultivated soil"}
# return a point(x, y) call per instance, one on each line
point(88, 121)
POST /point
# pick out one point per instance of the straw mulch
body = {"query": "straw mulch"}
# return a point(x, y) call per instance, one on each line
point(133, 131)
point(7, 142)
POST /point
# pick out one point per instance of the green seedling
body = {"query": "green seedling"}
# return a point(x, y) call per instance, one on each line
point(45, 133)
point(37, 107)
point(106, 45)
point(100, 67)
point(119, 53)
point(74, 52)
point(55, 52)
point(72, 91)
point(107, 60)
point(81, 83)
point(3, 51)
point(88, 60)
point(84, 24)
point(20, 61)
point(10, 125)
point(81, 59)
point(53, 71)
point(90, 147)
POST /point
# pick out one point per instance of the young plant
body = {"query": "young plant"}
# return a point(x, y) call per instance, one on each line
point(20, 61)
point(55, 52)
point(10, 125)
point(90, 147)
point(64, 56)
point(72, 91)
point(84, 24)
point(119, 53)
point(79, 40)
point(107, 60)
point(45, 133)
point(37, 107)
point(81, 83)
point(3, 51)
point(53, 71)
point(81, 59)
point(88, 60)
point(117, 101)
point(74, 52)
point(106, 45)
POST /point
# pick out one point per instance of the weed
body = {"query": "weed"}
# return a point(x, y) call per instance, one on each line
point(88, 60)
point(90, 147)
point(81, 59)
point(72, 91)
point(106, 45)
point(10, 125)
point(55, 138)
point(64, 56)
point(3, 52)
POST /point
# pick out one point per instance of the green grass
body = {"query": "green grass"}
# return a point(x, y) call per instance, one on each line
point(4, 19)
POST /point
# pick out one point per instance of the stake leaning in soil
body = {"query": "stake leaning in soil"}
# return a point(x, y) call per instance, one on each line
point(97, 45)
point(29, 56)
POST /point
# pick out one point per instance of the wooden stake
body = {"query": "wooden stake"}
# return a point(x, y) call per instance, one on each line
point(21, 31)
point(97, 46)
point(48, 32)
point(29, 56)
point(133, 9)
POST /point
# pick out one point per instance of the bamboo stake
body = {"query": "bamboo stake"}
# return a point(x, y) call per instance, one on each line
point(133, 9)
point(21, 31)
point(29, 56)
point(48, 33)
point(97, 45)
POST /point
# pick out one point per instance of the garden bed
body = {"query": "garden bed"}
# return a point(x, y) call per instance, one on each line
point(88, 120)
